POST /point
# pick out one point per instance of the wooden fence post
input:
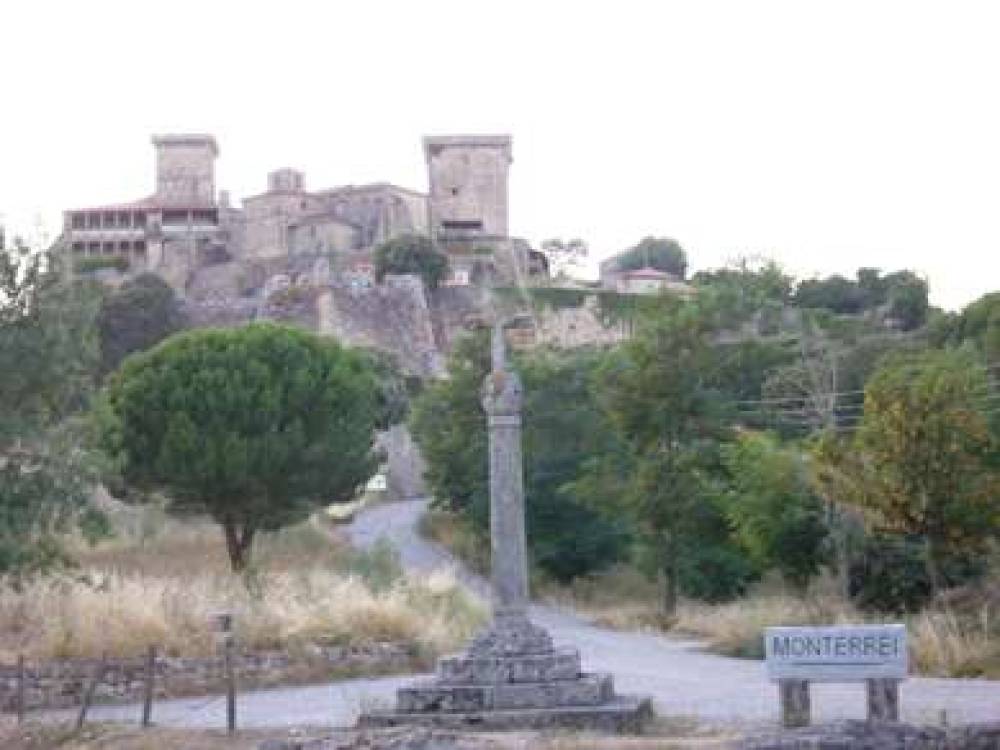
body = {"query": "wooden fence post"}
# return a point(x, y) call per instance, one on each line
point(88, 694)
point(230, 686)
point(148, 687)
point(795, 704)
point(20, 689)
point(224, 630)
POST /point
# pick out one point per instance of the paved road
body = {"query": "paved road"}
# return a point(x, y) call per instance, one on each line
point(682, 679)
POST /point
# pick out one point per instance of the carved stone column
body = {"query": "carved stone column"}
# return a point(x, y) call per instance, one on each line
point(511, 632)
point(512, 676)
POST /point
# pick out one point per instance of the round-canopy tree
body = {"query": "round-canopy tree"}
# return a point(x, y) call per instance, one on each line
point(256, 426)
point(143, 312)
point(662, 253)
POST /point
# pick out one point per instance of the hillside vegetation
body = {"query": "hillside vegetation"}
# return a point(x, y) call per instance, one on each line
point(771, 451)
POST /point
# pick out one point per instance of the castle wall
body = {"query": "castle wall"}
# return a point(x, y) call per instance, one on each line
point(321, 235)
point(379, 211)
point(268, 217)
point(392, 317)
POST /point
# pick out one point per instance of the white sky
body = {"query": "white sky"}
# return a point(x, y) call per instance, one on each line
point(826, 135)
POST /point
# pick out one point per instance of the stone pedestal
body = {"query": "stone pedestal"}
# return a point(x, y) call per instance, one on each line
point(511, 676)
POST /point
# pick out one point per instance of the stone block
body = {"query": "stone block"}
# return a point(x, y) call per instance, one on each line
point(432, 697)
point(622, 715)
point(560, 664)
point(588, 690)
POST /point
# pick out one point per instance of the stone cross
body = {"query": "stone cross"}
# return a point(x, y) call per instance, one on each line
point(502, 399)
point(511, 676)
point(511, 632)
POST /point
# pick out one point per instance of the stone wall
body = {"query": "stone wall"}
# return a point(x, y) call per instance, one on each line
point(865, 735)
point(393, 317)
point(570, 327)
point(61, 684)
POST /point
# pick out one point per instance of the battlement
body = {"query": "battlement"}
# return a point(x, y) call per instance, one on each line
point(434, 144)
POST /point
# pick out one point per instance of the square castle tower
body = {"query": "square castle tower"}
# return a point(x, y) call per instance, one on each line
point(467, 176)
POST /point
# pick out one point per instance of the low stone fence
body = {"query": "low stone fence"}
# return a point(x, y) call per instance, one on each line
point(868, 735)
point(61, 684)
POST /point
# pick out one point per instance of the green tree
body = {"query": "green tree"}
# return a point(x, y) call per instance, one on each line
point(979, 323)
point(874, 287)
point(411, 253)
point(141, 313)
point(563, 429)
point(772, 508)
point(833, 293)
point(907, 299)
point(660, 395)
point(662, 253)
point(257, 426)
point(923, 461)
point(48, 357)
point(753, 281)
point(447, 422)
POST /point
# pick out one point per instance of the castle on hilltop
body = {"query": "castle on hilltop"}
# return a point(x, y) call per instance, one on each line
point(185, 227)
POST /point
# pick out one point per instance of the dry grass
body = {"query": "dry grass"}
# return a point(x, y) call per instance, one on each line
point(100, 736)
point(456, 535)
point(95, 737)
point(953, 639)
point(163, 589)
point(943, 642)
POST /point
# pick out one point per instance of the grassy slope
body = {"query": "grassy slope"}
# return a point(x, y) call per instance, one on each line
point(162, 585)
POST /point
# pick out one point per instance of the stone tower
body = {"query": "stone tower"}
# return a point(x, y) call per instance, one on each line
point(468, 186)
point(286, 181)
point(185, 170)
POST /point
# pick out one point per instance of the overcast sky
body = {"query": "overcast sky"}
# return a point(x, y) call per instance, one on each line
point(825, 135)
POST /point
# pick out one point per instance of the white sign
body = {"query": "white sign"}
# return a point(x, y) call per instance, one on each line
point(838, 653)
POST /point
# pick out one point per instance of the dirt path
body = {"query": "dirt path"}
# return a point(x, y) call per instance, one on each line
point(683, 680)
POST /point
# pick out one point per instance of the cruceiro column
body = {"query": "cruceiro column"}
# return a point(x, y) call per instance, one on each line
point(511, 632)
point(501, 395)
point(511, 676)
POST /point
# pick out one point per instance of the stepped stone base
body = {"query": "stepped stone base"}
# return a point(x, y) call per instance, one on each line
point(557, 664)
point(587, 690)
point(621, 715)
point(512, 677)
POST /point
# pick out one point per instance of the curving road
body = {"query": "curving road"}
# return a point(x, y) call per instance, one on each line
point(682, 679)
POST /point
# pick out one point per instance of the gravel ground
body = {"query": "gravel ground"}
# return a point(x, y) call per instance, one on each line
point(683, 680)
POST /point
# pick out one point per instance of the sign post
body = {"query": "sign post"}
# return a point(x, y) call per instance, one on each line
point(873, 654)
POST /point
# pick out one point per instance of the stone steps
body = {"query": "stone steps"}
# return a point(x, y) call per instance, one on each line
point(621, 715)
point(465, 669)
point(585, 690)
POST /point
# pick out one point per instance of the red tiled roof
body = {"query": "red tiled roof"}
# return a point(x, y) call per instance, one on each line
point(647, 273)
point(151, 202)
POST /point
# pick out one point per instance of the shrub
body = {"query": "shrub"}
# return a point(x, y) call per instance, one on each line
point(100, 263)
point(411, 253)
point(143, 312)
point(890, 575)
